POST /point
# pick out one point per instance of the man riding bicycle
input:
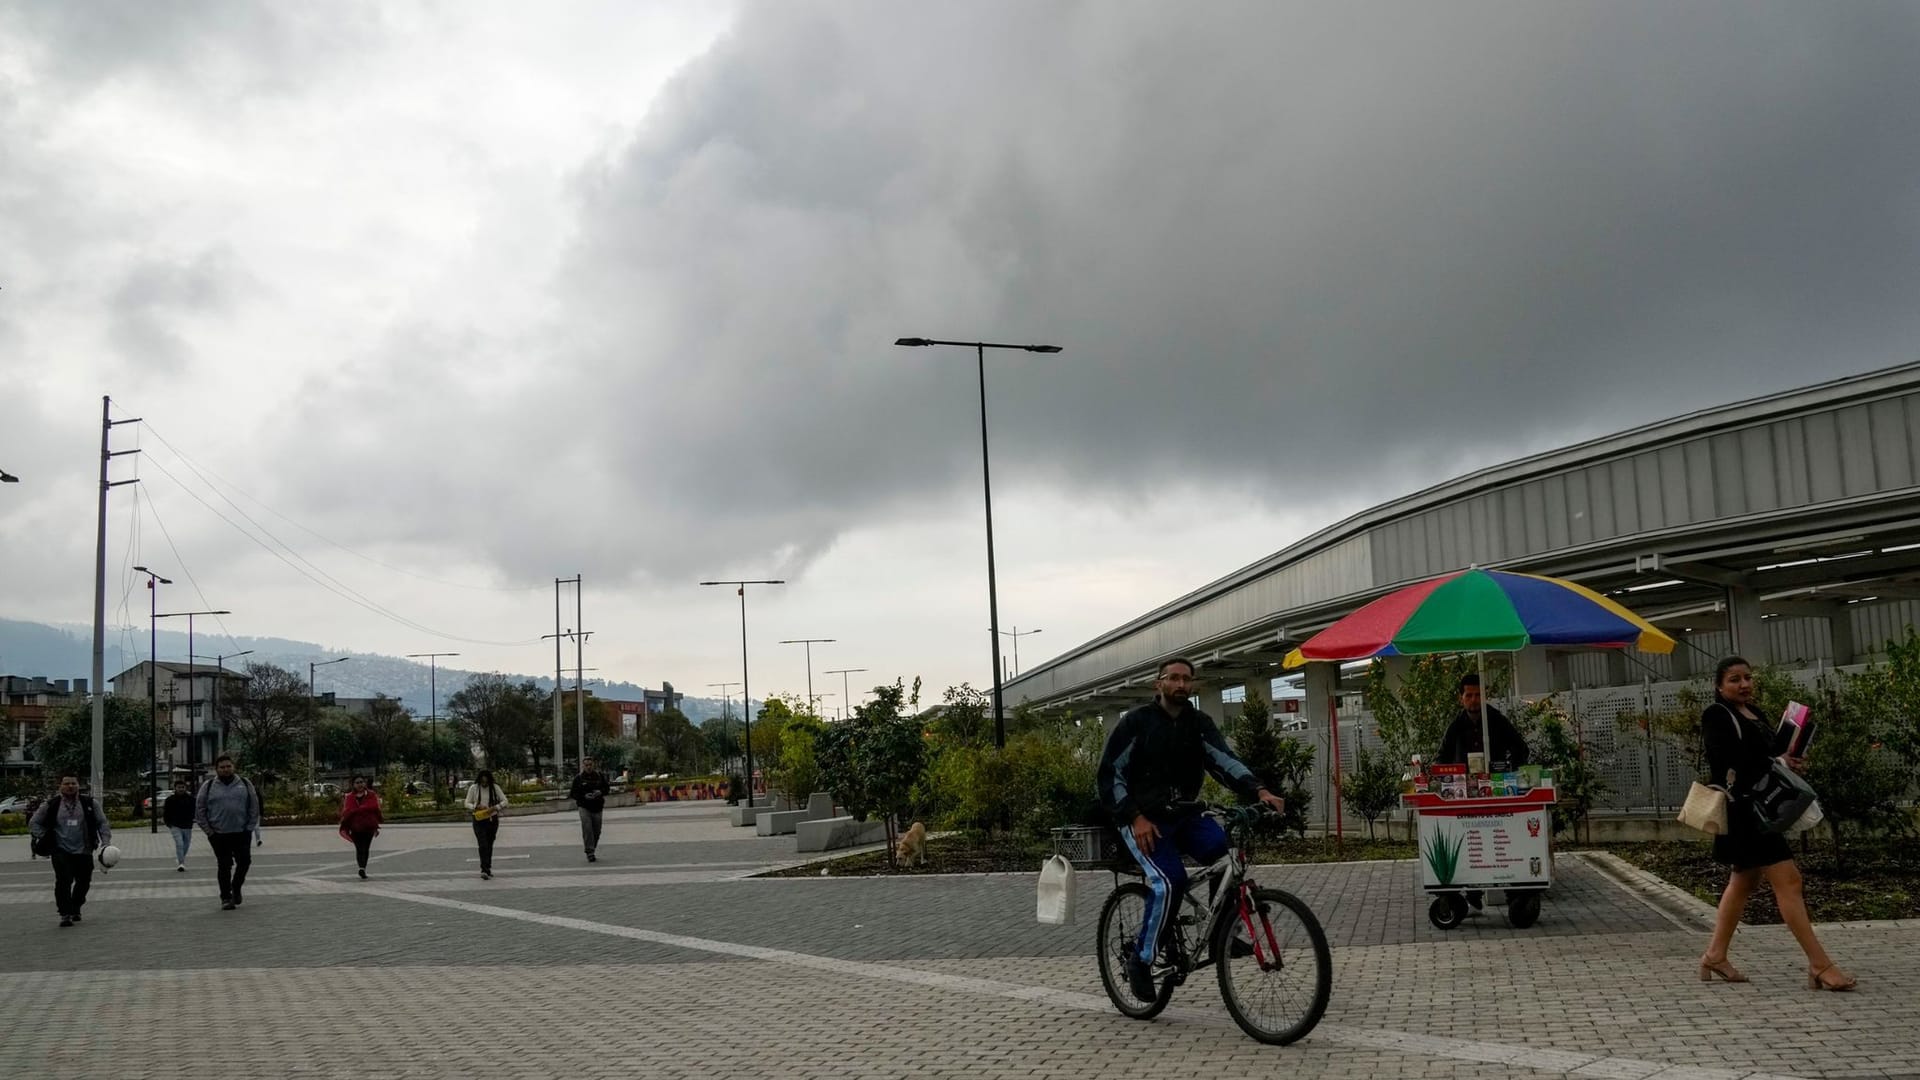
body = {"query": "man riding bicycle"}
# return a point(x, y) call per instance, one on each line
point(1156, 757)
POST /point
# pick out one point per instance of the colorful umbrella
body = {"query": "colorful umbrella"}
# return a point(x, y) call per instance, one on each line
point(1481, 611)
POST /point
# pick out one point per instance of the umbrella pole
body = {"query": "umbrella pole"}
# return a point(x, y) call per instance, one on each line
point(1486, 709)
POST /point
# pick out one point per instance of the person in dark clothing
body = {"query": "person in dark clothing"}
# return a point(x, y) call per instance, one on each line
point(1741, 750)
point(1155, 757)
point(1463, 735)
point(227, 809)
point(178, 813)
point(589, 794)
point(67, 830)
point(360, 819)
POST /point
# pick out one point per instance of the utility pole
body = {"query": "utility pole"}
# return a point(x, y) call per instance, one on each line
point(433, 713)
point(154, 581)
point(579, 687)
point(97, 773)
point(559, 750)
point(726, 709)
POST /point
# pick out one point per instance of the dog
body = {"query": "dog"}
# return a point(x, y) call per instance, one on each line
point(913, 845)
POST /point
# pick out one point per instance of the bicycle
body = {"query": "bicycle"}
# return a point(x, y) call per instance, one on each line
point(1241, 921)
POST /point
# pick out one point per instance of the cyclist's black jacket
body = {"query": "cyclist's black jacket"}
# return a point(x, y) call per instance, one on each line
point(1154, 759)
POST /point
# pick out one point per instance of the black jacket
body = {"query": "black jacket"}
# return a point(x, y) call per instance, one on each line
point(589, 791)
point(1463, 738)
point(177, 811)
point(1154, 759)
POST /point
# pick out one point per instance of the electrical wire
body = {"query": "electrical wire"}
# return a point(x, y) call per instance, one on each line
point(154, 509)
point(318, 576)
point(203, 473)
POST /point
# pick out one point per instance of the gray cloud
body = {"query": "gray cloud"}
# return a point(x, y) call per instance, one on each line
point(1288, 249)
point(156, 296)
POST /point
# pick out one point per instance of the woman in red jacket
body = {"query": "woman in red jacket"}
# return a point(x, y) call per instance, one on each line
point(360, 819)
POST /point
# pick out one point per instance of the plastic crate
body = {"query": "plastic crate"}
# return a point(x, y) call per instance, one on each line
point(1088, 847)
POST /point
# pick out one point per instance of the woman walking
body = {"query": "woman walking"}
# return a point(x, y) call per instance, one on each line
point(360, 819)
point(1740, 752)
point(484, 802)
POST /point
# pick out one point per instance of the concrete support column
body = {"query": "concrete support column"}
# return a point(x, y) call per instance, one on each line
point(1533, 672)
point(1322, 684)
point(1751, 638)
point(1840, 632)
point(1260, 688)
point(1683, 660)
point(1207, 700)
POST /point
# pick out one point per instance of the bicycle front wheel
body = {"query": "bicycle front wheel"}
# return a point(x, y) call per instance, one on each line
point(1122, 920)
point(1276, 972)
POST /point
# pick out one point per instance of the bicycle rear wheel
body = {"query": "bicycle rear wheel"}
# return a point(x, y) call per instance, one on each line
point(1276, 980)
point(1122, 918)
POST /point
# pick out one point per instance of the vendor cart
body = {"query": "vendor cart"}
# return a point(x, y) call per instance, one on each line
point(1502, 842)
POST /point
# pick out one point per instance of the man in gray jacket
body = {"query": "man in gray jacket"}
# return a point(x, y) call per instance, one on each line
point(66, 830)
point(228, 811)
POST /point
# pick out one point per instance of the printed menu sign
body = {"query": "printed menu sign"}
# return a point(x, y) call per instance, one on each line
point(1476, 852)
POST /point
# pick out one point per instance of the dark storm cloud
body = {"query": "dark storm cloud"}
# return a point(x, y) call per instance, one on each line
point(1289, 249)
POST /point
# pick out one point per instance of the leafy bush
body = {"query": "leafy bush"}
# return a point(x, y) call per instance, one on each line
point(1372, 788)
point(1042, 779)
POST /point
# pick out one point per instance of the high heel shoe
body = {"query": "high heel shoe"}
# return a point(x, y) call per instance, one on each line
point(1722, 968)
point(1816, 980)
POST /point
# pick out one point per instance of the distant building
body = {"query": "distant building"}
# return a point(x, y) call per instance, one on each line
point(27, 702)
point(633, 715)
point(185, 695)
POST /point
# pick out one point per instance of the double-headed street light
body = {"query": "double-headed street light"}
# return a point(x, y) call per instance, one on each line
point(433, 712)
point(154, 581)
point(746, 698)
point(193, 733)
point(1016, 634)
point(809, 642)
point(726, 707)
point(846, 696)
point(220, 665)
point(986, 478)
point(311, 665)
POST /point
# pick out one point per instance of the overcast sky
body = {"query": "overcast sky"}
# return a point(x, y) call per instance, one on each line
point(455, 298)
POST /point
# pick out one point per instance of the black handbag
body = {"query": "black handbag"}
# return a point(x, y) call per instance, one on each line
point(1778, 799)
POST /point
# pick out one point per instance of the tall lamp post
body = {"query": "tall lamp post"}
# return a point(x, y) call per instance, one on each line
point(1016, 634)
point(433, 712)
point(219, 673)
point(846, 696)
point(986, 478)
point(311, 665)
point(154, 581)
point(726, 706)
point(809, 643)
point(193, 732)
point(746, 695)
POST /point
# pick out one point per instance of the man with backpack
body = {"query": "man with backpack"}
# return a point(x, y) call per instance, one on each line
point(228, 811)
point(589, 794)
point(67, 829)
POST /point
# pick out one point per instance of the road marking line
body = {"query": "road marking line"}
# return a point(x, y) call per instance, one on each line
point(1538, 1059)
point(501, 858)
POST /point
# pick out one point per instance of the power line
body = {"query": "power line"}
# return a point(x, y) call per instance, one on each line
point(203, 472)
point(330, 584)
point(180, 561)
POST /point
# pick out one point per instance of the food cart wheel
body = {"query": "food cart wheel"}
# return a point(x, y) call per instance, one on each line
point(1523, 909)
point(1447, 911)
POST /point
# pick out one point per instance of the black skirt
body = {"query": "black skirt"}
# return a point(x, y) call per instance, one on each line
point(1749, 848)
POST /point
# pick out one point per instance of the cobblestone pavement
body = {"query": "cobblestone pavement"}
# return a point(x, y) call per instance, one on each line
point(663, 959)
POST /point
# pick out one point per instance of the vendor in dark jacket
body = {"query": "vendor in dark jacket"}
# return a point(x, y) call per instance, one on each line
point(1463, 735)
point(1463, 738)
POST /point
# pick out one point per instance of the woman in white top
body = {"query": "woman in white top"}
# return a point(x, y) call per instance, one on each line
point(485, 800)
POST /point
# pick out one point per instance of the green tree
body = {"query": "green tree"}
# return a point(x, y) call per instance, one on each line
point(386, 734)
point(676, 738)
point(872, 761)
point(1372, 788)
point(66, 742)
point(497, 717)
point(798, 774)
point(1255, 740)
point(1292, 769)
point(267, 716)
point(720, 739)
point(963, 717)
point(1853, 764)
point(769, 733)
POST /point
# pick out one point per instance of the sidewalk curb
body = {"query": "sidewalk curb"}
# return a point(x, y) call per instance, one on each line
point(1675, 904)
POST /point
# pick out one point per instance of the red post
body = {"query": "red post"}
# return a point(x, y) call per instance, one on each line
point(1339, 817)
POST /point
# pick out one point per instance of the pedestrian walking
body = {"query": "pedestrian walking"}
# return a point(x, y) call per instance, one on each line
point(67, 829)
point(360, 820)
point(485, 800)
point(178, 812)
point(589, 793)
point(227, 809)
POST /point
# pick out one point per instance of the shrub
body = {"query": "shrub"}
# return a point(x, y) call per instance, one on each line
point(1372, 788)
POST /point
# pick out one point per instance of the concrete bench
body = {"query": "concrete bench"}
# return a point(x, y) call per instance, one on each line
point(819, 806)
point(743, 815)
point(827, 834)
point(778, 822)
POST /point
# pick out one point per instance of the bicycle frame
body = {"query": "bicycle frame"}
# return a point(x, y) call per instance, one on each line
point(1227, 876)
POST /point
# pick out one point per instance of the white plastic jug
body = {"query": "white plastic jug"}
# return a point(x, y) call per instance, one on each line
point(1056, 891)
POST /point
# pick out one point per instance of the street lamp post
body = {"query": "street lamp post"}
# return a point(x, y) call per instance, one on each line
point(726, 706)
point(746, 695)
point(1016, 634)
point(986, 478)
point(193, 733)
point(311, 665)
point(433, 712)
point(219, 672)
point(846, 696)
point(154, 581)
point(809, 643)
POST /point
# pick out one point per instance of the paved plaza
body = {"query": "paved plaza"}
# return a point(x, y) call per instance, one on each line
point(669, 958)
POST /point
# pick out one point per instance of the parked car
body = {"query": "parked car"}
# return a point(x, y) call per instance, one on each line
point(16, 804)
